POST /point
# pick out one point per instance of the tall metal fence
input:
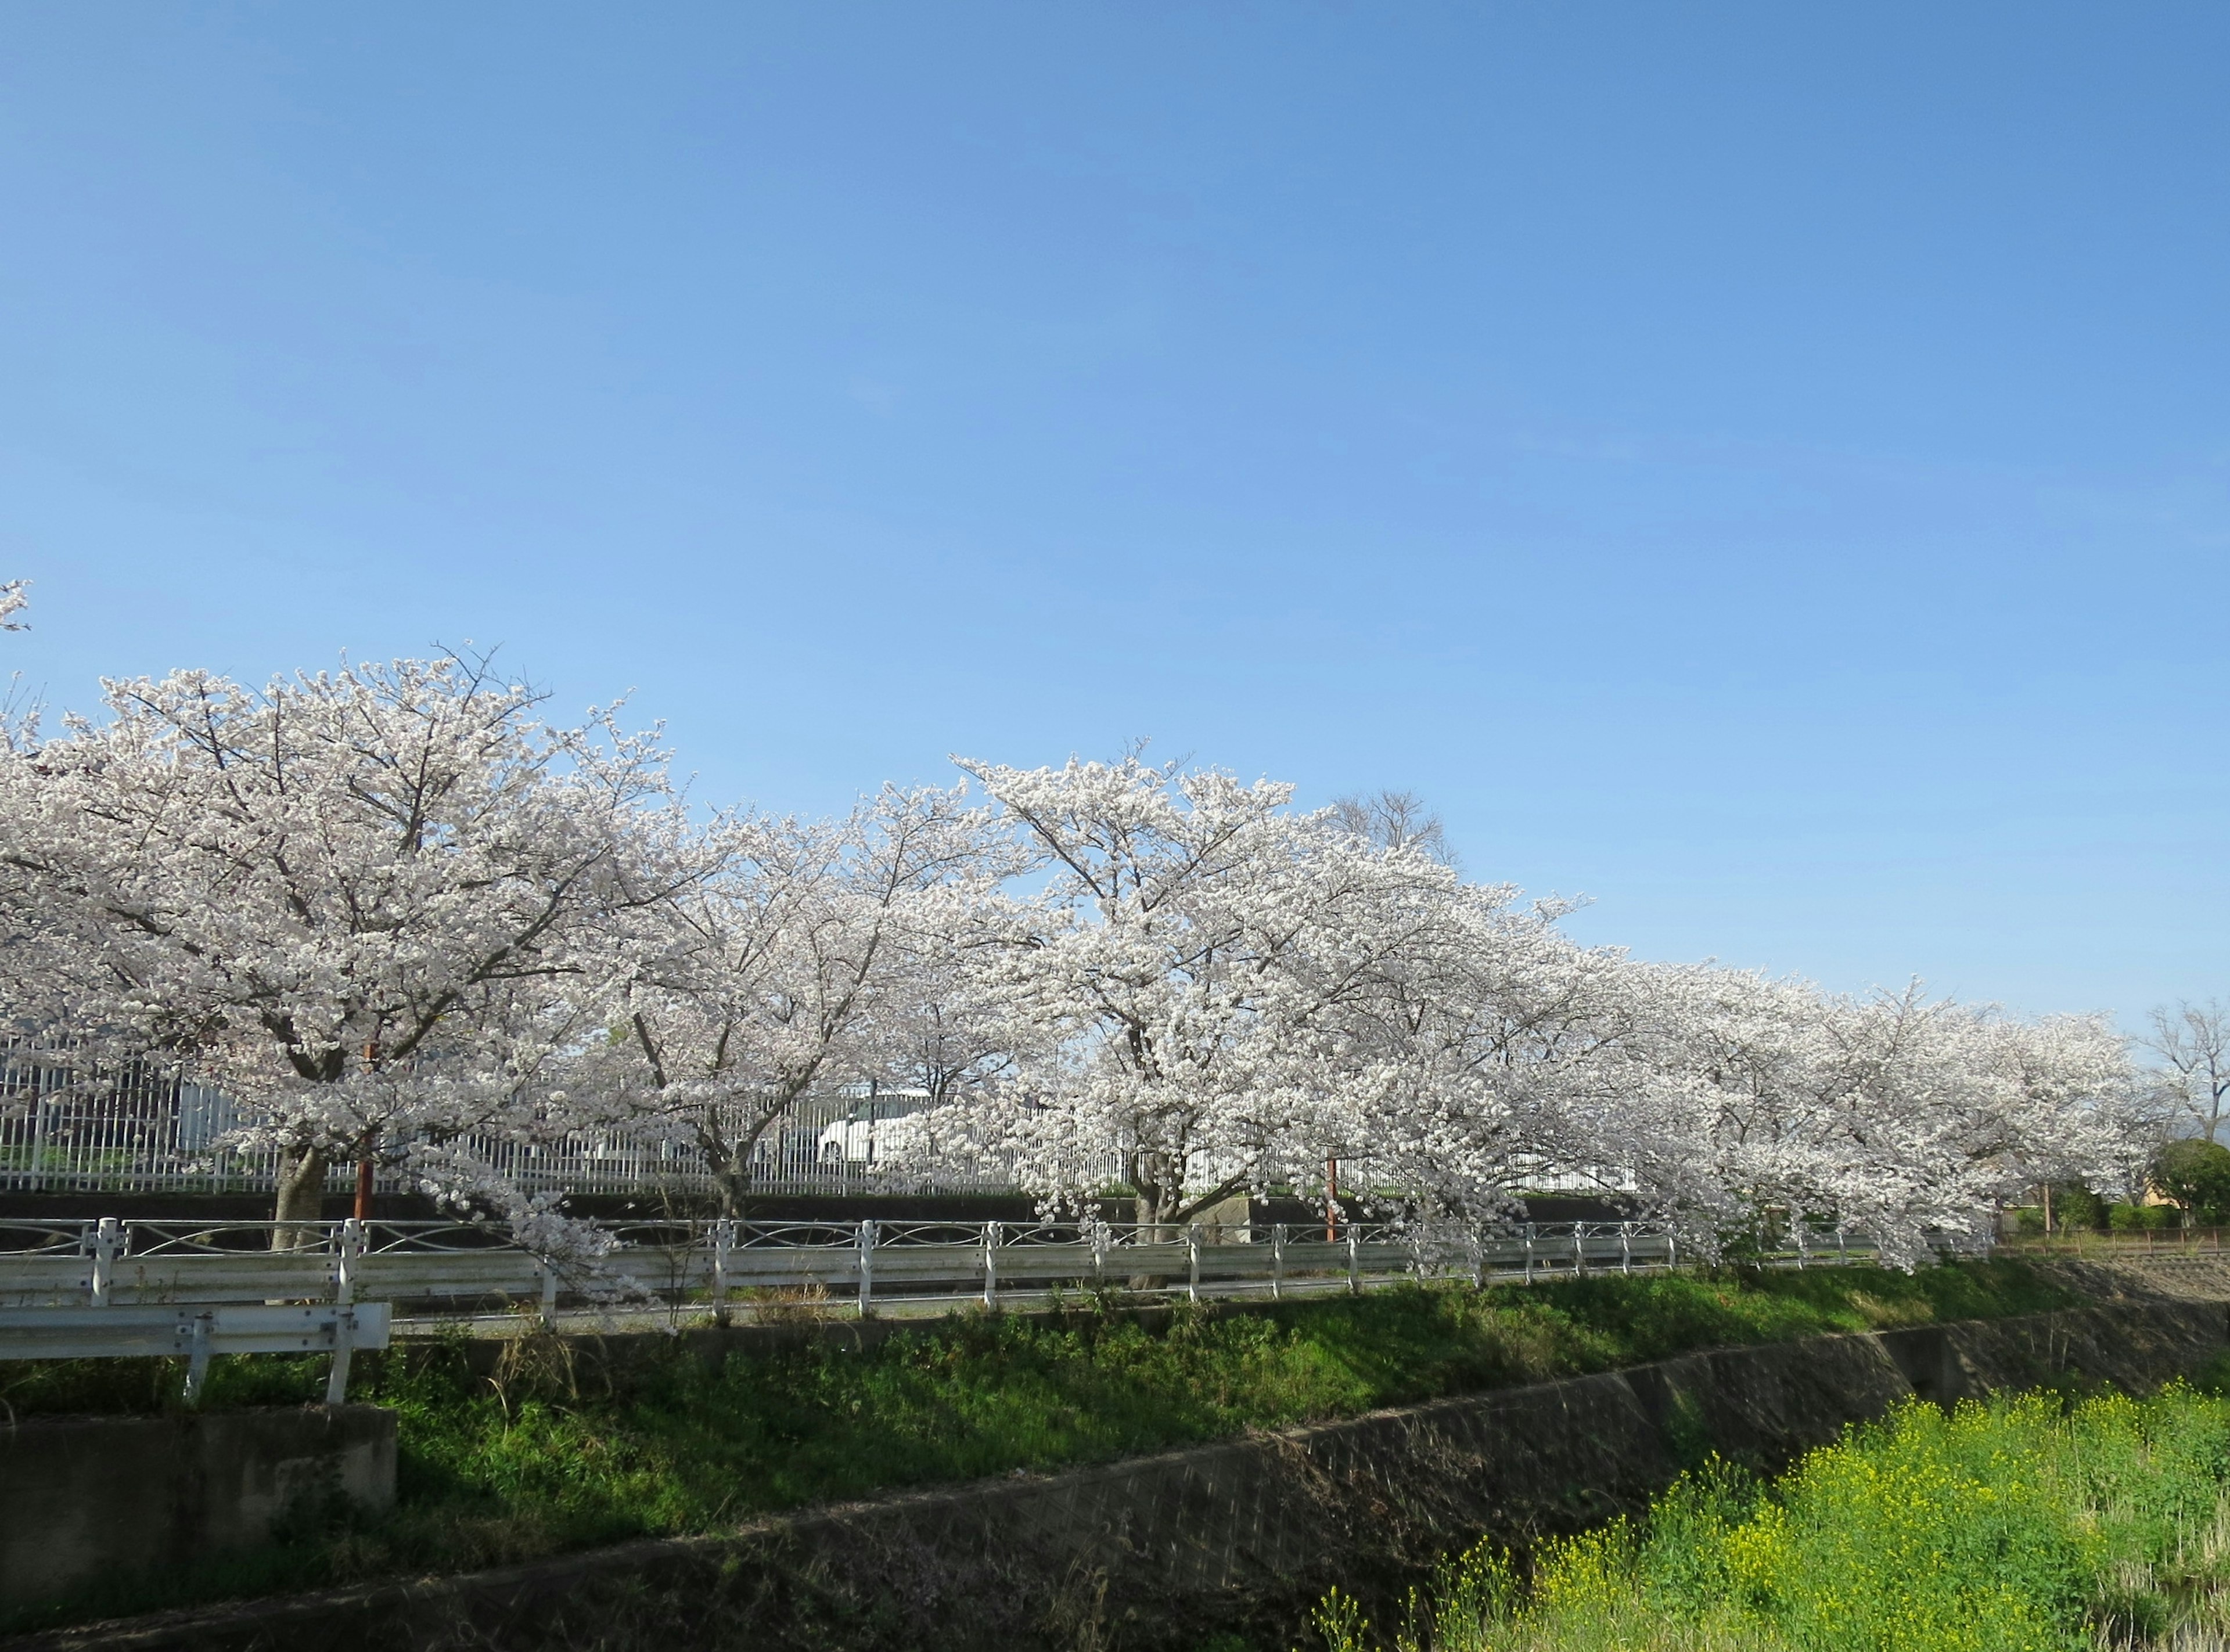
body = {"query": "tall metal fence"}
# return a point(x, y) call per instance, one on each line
point(70, 1126)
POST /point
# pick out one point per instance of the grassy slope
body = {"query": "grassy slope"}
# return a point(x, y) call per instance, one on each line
point(549, 1457)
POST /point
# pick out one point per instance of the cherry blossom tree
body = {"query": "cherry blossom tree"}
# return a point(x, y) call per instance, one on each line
point(793, 969)
point(1184, 983)
point(394, 912)
point(20, 708)
point(1893, 1114)
point(1508, 1051)
point(372, 905)
point(2192, 1042)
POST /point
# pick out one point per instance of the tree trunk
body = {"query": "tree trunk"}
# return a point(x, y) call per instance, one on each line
point(302, 1198)
point(730, 1170)
point(1153, 1211)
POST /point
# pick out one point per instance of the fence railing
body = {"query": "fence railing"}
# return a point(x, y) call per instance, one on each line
point(2160, 1242)
point(113, 1287)
point(456, 1268)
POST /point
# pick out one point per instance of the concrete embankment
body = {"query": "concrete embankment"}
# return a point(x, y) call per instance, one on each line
point(1158, 1554)
point(86, 1497)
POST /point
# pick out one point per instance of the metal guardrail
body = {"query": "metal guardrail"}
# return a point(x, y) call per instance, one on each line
point(108, 1286)
point(197, 1335)
point(455, 1268)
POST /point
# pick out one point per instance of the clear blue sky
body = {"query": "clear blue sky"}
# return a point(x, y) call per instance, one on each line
point(1762, 466)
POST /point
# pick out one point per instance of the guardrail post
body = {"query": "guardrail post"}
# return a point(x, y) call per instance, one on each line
point(344, 1345)
point(1477, 1245)
point(724, 1242)
point(1528, 1253)
point(348, 1247)
point(1842, 1249)
point(866, 1267)
point(1800, 1247)
point(1277, 1261)
point(991, 1265)
point(549, 1292)
point(105, 1246)
point(1580, 1250)
point(1626, 1247)
point(198, 1357)
point(1354, 1261)
point(1101, 1238)
point(1192, 1262)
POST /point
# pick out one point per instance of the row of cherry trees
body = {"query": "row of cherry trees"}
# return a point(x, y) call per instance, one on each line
point(394, 910)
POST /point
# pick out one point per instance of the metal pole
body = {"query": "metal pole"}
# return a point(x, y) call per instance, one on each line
point(38, 1130)
point(1354, 1261)
point(364, 1170)
point(1528, 1253)
point(1192, 1260)
point(866, 1268)
point(991, 1264)
point(1277, 1261)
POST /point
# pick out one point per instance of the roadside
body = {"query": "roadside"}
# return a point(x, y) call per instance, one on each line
point(568, 1444)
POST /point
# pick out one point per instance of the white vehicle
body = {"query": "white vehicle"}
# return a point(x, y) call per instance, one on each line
point(851, 1139)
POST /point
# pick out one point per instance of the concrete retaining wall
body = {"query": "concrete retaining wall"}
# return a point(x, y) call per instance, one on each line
point(85, 1498)
point(1161, 1553)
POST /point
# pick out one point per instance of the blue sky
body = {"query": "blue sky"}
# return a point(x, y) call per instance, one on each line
point(1765, 468)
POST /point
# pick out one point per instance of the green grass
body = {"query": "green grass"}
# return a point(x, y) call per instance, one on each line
point(559, 1451)
point(2025, 1525)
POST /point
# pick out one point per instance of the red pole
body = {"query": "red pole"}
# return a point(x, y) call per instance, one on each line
point(364, 1165)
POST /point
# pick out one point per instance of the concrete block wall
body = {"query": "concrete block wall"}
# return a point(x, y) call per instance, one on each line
point(83, 1498)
